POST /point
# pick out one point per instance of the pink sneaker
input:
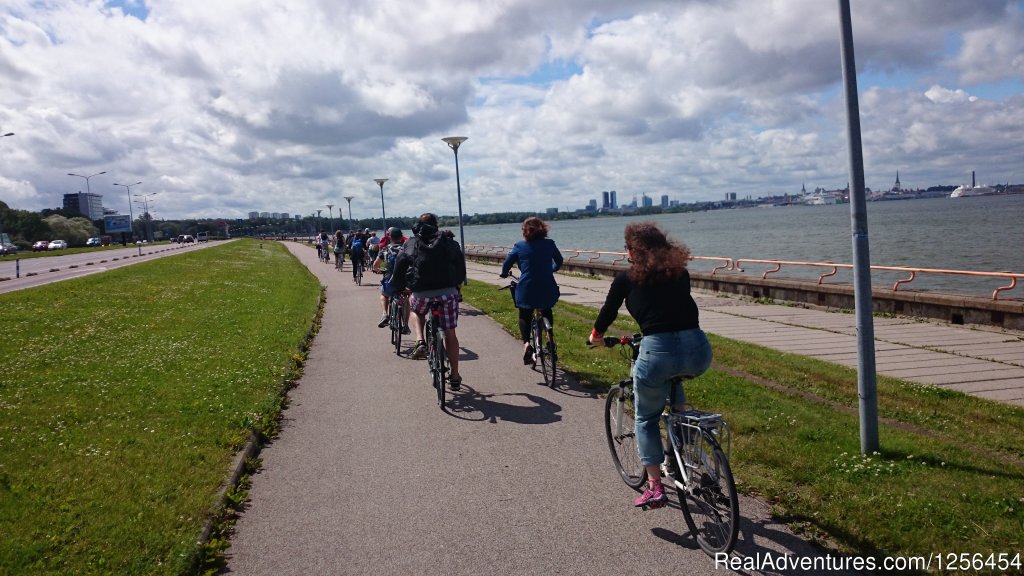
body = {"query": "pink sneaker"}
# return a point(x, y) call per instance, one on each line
point(652, 498)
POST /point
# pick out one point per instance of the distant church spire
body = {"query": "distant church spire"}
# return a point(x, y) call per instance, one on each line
point(896, 187)
point(803, 188)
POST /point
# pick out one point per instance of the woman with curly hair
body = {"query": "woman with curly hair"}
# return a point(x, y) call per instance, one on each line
point(538, 259)
point(656, 289)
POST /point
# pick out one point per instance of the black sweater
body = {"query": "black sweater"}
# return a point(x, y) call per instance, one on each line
point(662, 307)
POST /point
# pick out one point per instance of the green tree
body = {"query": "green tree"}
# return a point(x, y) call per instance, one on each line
point(74, 230)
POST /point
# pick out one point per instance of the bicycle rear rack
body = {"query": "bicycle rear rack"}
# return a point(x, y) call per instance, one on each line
point(709, 422)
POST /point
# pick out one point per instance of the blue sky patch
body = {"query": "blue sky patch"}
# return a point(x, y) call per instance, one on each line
point(136, 8)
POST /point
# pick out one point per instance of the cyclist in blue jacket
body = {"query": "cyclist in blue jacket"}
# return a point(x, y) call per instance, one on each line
point(538, 259)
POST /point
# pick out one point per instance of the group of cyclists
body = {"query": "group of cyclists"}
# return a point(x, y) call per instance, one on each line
point(655, 289)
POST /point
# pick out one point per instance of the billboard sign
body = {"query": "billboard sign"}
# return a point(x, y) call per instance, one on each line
point(117, 223)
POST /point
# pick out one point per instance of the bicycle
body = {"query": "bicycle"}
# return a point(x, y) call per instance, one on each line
point(339, 260)
point(540, 328)
point(695, 461)
point(437, 356)
point(357, 277)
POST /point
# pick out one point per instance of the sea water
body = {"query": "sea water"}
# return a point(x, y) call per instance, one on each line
point(983, 233)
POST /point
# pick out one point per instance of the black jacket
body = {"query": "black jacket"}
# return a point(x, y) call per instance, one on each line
point(431, 260)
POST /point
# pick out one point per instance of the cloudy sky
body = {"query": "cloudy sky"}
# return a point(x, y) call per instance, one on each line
point(221, 107)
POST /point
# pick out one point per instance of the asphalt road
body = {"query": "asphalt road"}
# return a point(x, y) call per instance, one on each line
point(56, 267)
point(369, 476)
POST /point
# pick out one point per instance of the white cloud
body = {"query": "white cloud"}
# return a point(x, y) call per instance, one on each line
point(237, 105)
point(941, 95)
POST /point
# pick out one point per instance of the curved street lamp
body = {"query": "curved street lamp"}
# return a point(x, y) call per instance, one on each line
point(131, 218)
point(454, 142)
point(383, 222)
point(87, 189)
point(349, 199)
point(148, 217)
point(330, 217)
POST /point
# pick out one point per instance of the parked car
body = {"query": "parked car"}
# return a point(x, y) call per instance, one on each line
point(6, 249)
point(188, 239)
point(41, 246)
point(93, 242)
point(57, 245)
point(179, 239)
point(202, 237)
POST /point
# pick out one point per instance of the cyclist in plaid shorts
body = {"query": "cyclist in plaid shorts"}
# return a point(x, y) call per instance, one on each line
point(432, 266)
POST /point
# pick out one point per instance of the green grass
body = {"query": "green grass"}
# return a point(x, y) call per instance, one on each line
point(949, 476)
point(124, 397)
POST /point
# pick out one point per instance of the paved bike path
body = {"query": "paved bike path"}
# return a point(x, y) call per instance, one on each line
point(368, 475)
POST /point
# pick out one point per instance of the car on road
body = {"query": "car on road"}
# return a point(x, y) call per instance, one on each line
point(6, 249)
point(93, 242)
point(41, 246)
point(188, 239)
point(202, 237)
point(57, 245)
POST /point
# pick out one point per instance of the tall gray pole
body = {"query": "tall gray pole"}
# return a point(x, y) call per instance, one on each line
point(866, 384)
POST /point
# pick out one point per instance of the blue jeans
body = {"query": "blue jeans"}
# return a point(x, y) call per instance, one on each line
point(663, 356)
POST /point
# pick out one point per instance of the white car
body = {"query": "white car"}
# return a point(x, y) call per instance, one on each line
point(57, 245)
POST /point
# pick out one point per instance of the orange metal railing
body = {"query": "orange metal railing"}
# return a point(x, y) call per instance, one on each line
point(736, 265)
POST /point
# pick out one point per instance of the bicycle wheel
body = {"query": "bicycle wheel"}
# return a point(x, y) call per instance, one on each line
point(709, 504)
point(546, 351)
point(395, 319)
point(359, 276)
point(437, 362)
point(620, 427)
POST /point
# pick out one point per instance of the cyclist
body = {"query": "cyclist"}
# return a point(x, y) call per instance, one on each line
point(372, 247)
point(325, 246)
point(357, 252)
point(432, 265)
point(384, 264)
point(339, 248)
point(656, 289)
point(538, 259)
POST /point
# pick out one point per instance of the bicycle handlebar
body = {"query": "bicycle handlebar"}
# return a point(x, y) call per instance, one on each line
point(511, 285)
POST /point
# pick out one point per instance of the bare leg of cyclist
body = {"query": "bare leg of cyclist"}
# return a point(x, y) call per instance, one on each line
point(451, 343)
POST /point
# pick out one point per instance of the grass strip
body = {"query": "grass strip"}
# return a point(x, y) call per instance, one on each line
point(948, 478)
point(125, 396)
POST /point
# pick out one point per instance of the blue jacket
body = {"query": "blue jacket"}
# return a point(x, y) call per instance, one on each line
point(538, 260)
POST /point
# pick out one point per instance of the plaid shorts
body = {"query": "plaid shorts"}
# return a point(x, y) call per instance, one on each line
point(449, 308)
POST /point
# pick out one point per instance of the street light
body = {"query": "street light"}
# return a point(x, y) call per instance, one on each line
point(319, 229)
point(330, 217)
point(148, 218)
point(131, 218)
point(87, 189)
point(349, 199)
point(454, 142)
point(380, 182)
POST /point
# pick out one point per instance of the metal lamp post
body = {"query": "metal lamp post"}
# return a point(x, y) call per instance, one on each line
point(131, 218)
point(349, 200)
point(87, 189)
point(318, 221)
point(330, 217)
point(454, 142)
point(147, 217)
point(380, 182)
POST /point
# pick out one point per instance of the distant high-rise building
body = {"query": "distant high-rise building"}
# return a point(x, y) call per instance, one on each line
point(611, 198)
point(664, 200)
point(254, 215)
point(551, 210)
point(605, 202)
point(592, 205)
point(264, 214)
point(84, 203)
